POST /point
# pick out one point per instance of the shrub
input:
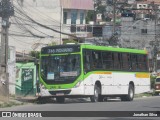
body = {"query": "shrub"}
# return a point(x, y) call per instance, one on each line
point(152, 79)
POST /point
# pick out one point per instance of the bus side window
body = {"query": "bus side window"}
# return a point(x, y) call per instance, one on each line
point(97, 60)
point(107, 60)
point(142, 62)
point(94, 57)
point(125, 61)
point(134, 62)
point(87, 61)
point(117, 62)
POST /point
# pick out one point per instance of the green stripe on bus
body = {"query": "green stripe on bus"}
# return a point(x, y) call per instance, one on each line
point(59, 54)
point(113, 49)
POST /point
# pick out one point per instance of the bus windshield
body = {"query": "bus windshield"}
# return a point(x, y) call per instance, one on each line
point(157, 79)
point(60, 67)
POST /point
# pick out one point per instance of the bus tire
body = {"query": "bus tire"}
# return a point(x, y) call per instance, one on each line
point(60, 99)
point(100, 98)
point(41, 100)
point(95, 97)
point(156, 94)
point(130, 95)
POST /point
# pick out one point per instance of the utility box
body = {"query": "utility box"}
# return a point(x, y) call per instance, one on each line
point(25, 79)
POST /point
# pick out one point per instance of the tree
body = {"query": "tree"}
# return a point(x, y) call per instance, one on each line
point(90, 16)
point(101, 9)
point(52, 44)
point(34, 54)
point(69, 41)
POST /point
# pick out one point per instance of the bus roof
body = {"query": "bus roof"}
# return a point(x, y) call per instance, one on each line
point(95, 47)
point(114, 49)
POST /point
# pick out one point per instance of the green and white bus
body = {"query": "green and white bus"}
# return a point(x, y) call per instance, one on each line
point(93, 71)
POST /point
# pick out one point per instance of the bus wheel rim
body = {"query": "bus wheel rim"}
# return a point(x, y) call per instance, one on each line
point(96, 95)
point(131, 93)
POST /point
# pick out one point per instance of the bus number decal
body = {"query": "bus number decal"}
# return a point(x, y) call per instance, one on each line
point(60, 50)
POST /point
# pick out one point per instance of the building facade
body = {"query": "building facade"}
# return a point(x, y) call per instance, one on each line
point(37, 23)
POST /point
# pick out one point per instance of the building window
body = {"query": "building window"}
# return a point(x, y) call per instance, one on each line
point(81, 17)
point(134, 27)
point(144, 31)
point(64, 17)
point(73, 17)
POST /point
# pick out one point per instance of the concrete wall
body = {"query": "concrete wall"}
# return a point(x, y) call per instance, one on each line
point(11, 69)
point(132, 36)
point(46, 12)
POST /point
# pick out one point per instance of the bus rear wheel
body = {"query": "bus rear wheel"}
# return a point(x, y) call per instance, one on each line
point(130, 95)
point(95, 97)
point(60, 99)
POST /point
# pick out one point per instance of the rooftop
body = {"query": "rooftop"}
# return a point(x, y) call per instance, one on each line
point(77, 4)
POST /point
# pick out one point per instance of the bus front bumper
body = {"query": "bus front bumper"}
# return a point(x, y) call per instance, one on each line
point(77, 91)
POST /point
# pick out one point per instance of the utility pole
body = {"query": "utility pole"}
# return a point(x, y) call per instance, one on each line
point(61, 12)
point(156, 44)
point(6, 10)
point(114, 16)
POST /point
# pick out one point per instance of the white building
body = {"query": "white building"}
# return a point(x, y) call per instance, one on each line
point(74, 14)
point(37, 23)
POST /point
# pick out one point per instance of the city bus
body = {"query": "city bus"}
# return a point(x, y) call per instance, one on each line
point(84, 70)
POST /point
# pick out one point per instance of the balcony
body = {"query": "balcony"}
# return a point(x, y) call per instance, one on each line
point(95, 30)
point(87, 30)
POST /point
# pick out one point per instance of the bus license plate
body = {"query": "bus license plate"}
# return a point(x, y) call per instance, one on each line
point(59, 94)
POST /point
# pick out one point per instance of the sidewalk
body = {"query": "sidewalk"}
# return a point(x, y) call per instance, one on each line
point(14, 101)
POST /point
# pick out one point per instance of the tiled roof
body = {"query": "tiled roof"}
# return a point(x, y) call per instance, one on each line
point(149, 2)
point(77, 4)
point(156, 1)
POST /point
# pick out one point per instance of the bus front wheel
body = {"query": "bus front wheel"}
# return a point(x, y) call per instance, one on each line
point(95, 97)
point(60, 99)
point(130, 95)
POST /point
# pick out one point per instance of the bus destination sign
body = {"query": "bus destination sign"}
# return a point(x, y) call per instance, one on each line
point(57, 50)
point(60, 50)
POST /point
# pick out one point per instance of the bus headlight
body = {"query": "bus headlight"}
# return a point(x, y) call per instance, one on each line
point(78, 84)
point(157, 86)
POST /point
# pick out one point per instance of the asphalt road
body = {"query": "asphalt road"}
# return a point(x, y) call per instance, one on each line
point(139, 104)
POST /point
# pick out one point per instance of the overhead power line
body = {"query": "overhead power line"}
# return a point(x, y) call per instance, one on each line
point(42, 25)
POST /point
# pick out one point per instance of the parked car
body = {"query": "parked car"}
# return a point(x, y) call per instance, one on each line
point(157, 86)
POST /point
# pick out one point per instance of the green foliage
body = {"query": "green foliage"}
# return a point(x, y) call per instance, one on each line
point(34, 54)
point(152, 79)
point(52, 44)
point(143, 95)
point(69, 41)
point(90, 16)
point(10, 104)
point(101, 9)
